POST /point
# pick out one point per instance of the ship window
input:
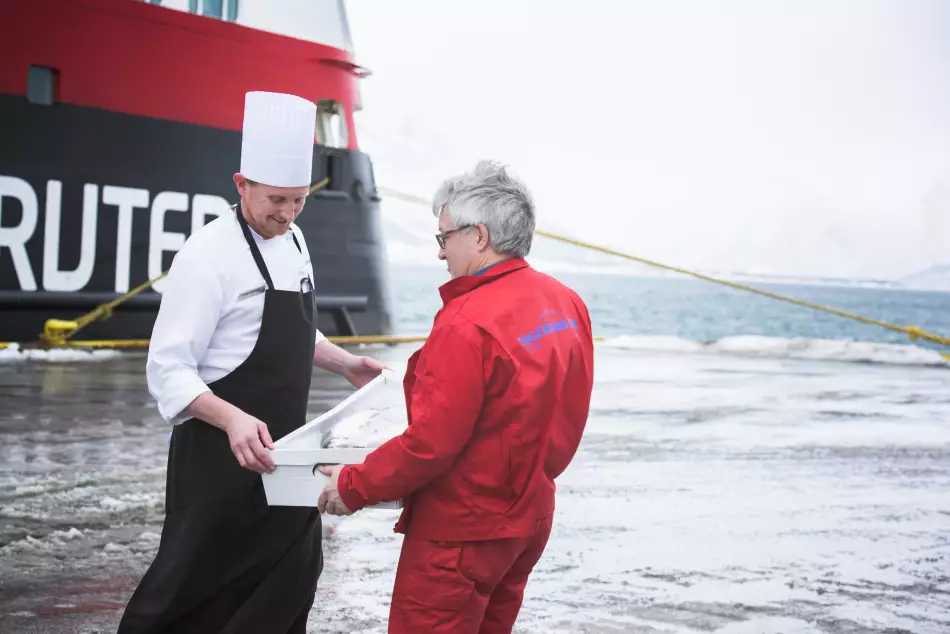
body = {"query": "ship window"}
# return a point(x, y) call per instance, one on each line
point(331, 123)
point(42, 85)
point(226, 9)
point(212, 8)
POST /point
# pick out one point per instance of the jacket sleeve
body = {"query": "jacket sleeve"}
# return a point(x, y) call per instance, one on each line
point(446, 401)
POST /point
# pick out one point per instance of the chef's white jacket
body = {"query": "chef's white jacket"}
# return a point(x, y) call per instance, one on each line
point(212, 304)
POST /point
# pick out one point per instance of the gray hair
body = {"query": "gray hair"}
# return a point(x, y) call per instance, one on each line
point(488, 195)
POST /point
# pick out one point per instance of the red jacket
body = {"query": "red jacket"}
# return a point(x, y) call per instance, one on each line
point(497, 400)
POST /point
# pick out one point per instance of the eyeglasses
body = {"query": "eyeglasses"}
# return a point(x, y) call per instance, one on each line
point(440, 237)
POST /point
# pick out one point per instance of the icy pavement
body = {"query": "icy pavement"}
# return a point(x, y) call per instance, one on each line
point(712, 493)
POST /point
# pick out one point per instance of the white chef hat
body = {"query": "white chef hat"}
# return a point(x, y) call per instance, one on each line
point(278, 137)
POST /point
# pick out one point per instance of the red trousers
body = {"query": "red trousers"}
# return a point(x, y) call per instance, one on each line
point(463, 587)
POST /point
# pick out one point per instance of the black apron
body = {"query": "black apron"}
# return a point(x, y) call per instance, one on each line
point(227, 562)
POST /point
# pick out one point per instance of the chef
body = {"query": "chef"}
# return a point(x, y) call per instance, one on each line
point(229, 364)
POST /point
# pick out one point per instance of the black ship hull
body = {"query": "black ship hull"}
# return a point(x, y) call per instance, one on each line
point(94, 203)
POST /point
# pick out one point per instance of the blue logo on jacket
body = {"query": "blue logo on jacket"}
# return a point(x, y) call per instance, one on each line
point(549, 323)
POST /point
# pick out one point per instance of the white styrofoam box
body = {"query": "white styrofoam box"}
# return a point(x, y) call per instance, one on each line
point(296, 481)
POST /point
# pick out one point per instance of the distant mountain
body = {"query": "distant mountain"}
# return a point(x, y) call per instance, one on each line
point(806, 280)
point(932, 278)
point(410, 240)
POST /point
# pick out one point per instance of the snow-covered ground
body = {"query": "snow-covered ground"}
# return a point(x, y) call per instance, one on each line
point(716, 490)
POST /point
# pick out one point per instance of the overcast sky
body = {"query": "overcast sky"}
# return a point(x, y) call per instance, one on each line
point(805, 137)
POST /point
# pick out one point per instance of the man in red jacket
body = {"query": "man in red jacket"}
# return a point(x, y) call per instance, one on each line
point(497, 400)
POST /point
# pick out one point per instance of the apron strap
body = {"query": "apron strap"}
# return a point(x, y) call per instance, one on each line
point(253, 245)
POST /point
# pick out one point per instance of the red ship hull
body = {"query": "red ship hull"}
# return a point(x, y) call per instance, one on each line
point(134, 147)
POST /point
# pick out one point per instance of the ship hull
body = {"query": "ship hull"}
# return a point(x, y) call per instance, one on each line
point(96, 202)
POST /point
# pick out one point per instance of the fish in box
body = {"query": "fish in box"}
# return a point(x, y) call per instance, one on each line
point(344, 435)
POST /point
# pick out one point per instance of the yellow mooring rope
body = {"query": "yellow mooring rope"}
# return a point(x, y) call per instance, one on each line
point(913, 332)
point(58, 332)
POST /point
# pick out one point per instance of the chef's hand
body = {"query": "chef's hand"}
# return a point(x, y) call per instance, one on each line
point(361, 370)
point(248, 437)
point(330, 501)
